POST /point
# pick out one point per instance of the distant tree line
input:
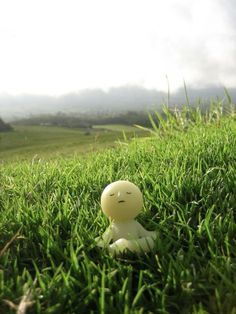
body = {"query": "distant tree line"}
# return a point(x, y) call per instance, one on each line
point(86, 121)
point(127, 118)
point(5, 127)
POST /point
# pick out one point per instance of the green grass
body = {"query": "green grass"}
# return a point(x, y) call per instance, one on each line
point(116, 127)
point(188, 178)
point(47, 142)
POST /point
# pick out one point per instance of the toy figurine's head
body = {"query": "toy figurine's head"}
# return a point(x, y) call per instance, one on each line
point(121, 200)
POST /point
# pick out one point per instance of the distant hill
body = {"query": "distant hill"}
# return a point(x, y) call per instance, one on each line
point(96, 101)
point(5, 127)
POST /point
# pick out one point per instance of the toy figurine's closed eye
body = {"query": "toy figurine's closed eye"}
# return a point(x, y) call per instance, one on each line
point(112, 194)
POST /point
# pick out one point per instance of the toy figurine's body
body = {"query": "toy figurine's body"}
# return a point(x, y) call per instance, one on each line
point(121, 202)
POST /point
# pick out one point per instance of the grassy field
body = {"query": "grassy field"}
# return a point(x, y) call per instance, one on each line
point(36, 142)
point(50, 215)
point(116, 127)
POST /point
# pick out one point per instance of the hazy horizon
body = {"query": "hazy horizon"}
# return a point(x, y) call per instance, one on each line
point(114, 100)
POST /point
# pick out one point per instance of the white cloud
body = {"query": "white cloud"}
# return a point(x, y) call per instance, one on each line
point(53, 46)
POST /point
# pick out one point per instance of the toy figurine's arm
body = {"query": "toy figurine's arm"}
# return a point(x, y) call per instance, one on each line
point(145, 233)
point(142, 245)
point(105, 239)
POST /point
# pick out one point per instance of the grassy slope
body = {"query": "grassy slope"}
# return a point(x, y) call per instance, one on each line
point(26, 142)
point(188, 180)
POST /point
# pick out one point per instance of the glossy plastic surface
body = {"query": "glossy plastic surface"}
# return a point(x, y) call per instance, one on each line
point(121, 202)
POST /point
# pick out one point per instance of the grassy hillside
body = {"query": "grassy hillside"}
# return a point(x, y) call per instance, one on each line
point(47, 142)
point(50, 215)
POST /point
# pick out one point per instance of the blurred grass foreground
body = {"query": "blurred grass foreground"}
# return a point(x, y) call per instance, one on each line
point(50, 216)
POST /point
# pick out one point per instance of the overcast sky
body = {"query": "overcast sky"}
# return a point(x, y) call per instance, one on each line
point(60, 46)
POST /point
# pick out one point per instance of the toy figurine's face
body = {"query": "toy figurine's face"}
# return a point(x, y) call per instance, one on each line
point(121, 200)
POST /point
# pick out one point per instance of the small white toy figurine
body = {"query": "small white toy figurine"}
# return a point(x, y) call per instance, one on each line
point(121, 202)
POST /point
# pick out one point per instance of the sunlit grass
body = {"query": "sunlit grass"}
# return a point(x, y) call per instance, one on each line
point(187, 174)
